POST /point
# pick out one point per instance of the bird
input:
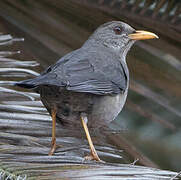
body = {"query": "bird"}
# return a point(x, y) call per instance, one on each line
point(88, 87)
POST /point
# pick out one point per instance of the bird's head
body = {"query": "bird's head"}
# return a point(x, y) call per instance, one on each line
point(119, 36)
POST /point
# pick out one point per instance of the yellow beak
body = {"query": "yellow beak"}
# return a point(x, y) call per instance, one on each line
point(141, 35)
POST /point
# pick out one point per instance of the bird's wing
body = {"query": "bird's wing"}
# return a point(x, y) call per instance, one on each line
point(83, 76)
point(83, 73)
point(93, 73)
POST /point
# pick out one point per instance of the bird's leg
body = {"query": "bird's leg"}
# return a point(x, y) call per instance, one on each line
point(53, 143)
point(93, 155)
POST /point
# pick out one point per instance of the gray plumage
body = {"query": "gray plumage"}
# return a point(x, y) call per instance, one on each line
point(93, 79)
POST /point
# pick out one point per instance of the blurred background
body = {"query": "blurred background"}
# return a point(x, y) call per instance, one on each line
point(149, 126)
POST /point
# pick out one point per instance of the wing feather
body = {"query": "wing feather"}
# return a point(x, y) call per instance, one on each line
point(82, 72)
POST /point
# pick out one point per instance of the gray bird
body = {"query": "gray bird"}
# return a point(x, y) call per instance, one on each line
point(89, 85)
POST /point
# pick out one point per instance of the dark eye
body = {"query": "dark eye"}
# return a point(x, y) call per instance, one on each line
point(117, 30)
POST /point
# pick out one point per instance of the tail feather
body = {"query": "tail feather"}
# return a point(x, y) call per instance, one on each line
point(49, 79)
point(29, 84)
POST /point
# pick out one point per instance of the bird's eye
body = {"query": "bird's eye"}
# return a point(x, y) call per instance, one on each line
point(117, 30)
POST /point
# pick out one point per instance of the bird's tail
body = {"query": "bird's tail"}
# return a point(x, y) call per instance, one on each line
point(29, 84)
point(38, 81)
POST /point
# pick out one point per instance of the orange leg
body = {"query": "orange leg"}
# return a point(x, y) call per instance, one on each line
point(53, 143)
point(94, 155)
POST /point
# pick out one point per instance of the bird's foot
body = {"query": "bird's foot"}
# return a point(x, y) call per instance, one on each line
point(53, 148)
point(90, 158)
point(94, 157)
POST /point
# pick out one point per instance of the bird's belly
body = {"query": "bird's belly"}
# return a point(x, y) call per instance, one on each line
point(106, 109)
point(100, 110)
point(69, 105)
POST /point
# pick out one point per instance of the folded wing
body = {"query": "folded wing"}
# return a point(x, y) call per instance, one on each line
point(82, 73)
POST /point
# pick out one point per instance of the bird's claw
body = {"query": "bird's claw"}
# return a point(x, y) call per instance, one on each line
point(92, 158)
point(53, 148)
